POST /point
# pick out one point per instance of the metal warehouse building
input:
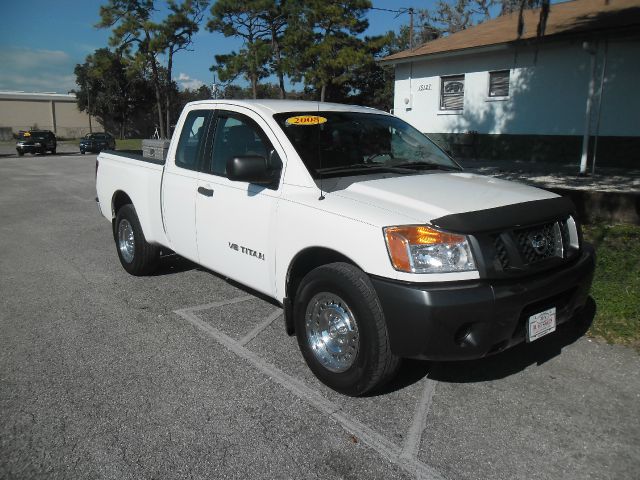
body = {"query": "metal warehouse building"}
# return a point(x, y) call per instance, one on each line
point(47, 111)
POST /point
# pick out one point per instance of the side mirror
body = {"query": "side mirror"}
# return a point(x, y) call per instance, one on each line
point(251, 169)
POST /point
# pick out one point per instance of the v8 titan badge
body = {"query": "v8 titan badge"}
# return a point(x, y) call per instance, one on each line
point(306, 120)
point(541, 324)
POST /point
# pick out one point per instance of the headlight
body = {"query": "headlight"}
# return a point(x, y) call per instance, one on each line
point(420, 249)
point(37, 144)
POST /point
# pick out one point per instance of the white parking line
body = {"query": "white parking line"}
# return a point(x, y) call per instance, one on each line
point(207, 306)
point(411, 444)
point(260, 327)
point(405, 457)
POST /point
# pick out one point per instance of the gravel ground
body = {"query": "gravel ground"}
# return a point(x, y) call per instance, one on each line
point(548, 175)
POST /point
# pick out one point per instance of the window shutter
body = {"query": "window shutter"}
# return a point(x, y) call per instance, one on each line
point(499, 83)
point(452, 93)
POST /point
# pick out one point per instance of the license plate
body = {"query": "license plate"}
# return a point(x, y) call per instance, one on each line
point(541, 324)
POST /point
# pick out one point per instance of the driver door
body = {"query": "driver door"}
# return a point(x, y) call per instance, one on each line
point(235, 218)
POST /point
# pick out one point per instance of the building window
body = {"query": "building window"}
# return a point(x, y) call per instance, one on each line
point(499, 83)
point(452, 92)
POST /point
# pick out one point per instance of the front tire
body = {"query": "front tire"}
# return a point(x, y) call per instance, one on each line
point(136, 255)
point(341, 330)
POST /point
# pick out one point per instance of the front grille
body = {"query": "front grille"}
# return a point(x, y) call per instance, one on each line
point(529, 247)
point(502, 256)
point(540, 242)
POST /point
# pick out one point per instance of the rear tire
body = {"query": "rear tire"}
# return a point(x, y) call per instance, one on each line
point(136, 255)
point(20, 153)
point(341, 330)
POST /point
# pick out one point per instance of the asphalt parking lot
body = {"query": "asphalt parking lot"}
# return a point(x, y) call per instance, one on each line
point(185, 375)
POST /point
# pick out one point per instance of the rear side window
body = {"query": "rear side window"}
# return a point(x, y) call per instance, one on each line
point(192, 139)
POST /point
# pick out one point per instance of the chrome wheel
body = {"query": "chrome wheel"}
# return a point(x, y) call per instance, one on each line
point(332, 332)
point(126, 241)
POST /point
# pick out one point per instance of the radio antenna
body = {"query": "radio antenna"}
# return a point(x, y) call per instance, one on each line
point(318, 126)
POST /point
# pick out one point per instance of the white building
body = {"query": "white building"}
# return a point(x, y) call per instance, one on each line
point(484, 93)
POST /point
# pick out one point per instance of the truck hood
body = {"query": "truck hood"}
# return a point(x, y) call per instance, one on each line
point(428, 196)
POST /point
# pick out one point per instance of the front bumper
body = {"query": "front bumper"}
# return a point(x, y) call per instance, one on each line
point(30, 148)
point(466, 320)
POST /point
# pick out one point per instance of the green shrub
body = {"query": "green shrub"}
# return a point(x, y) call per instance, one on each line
point(616, 286)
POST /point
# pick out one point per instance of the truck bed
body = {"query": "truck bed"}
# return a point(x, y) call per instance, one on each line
point(139, 178)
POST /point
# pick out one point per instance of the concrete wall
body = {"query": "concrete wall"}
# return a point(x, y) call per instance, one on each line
point(55, 112)
point(548, 91)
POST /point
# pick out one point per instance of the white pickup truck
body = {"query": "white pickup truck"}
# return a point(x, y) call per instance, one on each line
point(375, 242)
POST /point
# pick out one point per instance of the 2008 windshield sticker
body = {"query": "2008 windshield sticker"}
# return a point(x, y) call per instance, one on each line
point(306, 120)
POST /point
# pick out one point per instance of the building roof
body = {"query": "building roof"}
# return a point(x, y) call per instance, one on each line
point(565, 19)
point(44, 96)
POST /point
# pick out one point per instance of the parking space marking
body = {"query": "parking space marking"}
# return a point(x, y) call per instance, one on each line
point(411, 444)
point(260, 327)
point(386, 448)
point(207, 306)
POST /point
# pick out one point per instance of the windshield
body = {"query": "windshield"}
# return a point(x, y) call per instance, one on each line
point(351, 143)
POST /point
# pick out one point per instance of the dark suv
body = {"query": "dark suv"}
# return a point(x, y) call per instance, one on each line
point(36, 141)
point(96, 142)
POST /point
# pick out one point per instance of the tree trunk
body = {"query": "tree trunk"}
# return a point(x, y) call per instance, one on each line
point(254, 73)
point(323, 91)
point(156, 84)
point(276, 52)
point(283, 93)
point(254, 85)
point(168, 92)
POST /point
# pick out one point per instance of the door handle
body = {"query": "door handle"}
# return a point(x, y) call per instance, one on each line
point(207, 192)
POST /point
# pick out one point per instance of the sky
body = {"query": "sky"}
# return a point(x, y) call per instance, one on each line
point(41, 41)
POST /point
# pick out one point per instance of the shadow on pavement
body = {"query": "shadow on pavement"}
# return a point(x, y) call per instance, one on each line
point(509, 362)
point(171, 263)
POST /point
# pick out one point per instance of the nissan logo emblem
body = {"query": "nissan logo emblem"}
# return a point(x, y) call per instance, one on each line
point(538, 242)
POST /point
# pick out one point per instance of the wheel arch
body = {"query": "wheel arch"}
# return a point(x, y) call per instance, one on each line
point(119, 200)
point(301, 264)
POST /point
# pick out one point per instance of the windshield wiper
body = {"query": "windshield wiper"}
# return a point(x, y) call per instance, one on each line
point(425, 166)
point(362, 166)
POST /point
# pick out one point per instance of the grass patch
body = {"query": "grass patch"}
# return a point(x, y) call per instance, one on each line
point(616, 285)
point(129, 144)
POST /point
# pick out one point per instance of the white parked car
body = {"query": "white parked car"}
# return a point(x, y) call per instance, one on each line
point(375, 242)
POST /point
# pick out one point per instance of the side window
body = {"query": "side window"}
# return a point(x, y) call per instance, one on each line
point(236, 136)
point(192, 139)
